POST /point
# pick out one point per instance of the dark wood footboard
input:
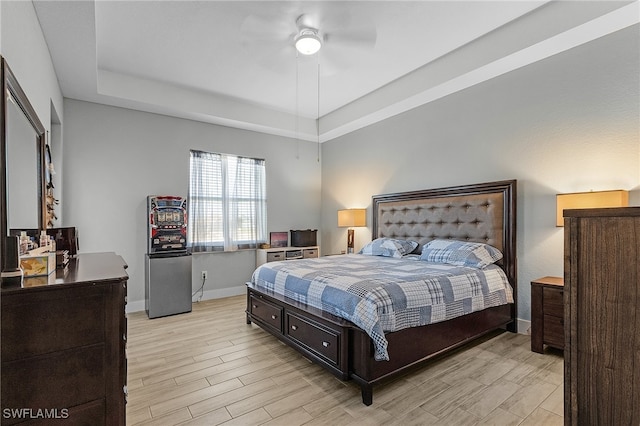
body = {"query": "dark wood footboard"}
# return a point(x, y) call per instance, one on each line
point(413, 347)
point(347, 351)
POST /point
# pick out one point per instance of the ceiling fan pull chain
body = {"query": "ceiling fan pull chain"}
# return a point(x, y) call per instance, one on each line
point(318, 111)
point(297, 122)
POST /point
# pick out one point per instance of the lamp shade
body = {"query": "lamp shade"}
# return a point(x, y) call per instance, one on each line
point(352, 217)
point(589, 200)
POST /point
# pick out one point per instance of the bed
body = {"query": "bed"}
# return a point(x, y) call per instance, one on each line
point(479, 213)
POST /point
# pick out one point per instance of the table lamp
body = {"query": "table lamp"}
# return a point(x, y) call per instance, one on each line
point(589, 200)
point(350, 218)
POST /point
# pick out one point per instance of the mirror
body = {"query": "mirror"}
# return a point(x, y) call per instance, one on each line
point(21, 159)
point(22, 170)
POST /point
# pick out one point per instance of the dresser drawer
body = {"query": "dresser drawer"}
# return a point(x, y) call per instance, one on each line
point(554, 331)
point(553, 300)
point(46, 322)
point(267, 312)
point(59, 380)
point(320, 340)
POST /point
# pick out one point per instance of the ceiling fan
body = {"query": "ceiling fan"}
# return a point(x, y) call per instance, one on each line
point(272, 39)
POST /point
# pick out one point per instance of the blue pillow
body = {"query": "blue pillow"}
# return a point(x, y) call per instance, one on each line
point(388, 247)
point(460, 253)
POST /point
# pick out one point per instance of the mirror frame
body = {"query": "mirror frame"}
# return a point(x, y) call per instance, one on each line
point(11, 87)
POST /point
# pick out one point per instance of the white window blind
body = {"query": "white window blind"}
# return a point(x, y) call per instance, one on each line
point(227, 202)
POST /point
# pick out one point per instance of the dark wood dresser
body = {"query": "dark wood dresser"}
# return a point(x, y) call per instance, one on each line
point(602, 316)
point(547, 313)
point(63, 345)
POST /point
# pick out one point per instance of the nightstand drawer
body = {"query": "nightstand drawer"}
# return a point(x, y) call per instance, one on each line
point(554, 331)
point(553, 300)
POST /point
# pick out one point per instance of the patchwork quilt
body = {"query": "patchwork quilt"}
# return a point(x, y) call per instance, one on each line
point(383, 294)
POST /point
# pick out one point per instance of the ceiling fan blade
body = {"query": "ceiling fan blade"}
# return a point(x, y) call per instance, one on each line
point(267, 27)
point(356, 37)
point(280, 60)
point(347, 22)
point(334, 60)
point(266, 40)
point(308, 20)
point(268, 36)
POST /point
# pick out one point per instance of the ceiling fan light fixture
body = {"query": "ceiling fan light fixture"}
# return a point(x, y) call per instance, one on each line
point(308, 42)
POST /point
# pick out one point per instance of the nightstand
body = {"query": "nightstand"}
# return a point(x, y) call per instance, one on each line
point(547, 313)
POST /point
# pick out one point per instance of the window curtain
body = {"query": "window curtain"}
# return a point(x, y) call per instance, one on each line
point(227, 202)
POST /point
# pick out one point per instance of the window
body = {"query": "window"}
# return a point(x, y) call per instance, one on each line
point(227, 202)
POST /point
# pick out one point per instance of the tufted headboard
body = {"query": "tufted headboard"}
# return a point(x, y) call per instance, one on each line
point(484, 212)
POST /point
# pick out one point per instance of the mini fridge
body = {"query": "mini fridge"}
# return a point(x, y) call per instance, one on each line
point(167, 284)
point(168, 288)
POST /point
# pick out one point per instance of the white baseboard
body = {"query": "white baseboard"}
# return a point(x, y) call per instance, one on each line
point(221, 293)
point(138, 305)
point(524, 326)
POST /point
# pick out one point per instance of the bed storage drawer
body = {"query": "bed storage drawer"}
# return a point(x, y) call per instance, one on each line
point(267, 312)
point(320, 340)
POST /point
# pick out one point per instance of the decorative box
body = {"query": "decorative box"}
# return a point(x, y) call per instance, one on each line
point(38, 264)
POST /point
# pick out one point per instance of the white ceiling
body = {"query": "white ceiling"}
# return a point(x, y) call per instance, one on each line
point(233, 62)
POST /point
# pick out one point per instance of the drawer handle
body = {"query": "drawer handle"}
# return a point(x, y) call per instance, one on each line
point(255, 306)
point(294, 327)
point(325, 344)
point(274, 316)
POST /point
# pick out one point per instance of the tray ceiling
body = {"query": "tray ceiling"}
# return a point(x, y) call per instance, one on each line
point(233, 62)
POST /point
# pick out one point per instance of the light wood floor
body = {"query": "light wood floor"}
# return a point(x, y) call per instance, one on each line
point(208, 367)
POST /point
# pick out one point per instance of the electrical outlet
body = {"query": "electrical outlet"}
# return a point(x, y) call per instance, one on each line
point(204, 275)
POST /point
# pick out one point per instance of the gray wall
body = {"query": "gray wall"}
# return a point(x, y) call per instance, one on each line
point(565, 124)
point(568, 123)
point(26, 52)
point(115, 157)
point(23, 46)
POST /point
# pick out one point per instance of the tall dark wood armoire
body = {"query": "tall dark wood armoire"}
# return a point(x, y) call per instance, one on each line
point(602, 316)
